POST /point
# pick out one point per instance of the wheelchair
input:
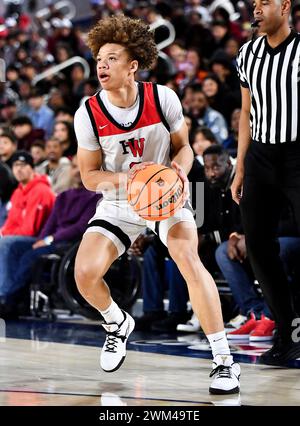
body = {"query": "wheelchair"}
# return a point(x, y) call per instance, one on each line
point(54, 284)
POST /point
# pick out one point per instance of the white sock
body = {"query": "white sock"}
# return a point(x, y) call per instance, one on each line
point(112, 314)
point(218, 343)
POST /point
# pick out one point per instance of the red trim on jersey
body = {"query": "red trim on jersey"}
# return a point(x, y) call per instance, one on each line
point(149, 114)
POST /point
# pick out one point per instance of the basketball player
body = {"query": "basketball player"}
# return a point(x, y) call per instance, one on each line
point(123, 128)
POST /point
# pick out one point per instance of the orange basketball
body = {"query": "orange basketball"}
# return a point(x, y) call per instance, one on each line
point(155, 193)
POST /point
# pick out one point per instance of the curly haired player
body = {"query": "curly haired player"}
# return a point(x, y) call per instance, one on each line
point(120, 130)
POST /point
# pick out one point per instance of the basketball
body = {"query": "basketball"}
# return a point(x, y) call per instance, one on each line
point(155, 193)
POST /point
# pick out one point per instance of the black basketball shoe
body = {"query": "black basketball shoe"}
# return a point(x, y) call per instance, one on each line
point(283, 353)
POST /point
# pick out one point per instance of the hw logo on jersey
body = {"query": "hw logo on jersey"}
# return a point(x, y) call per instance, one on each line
point(133, 146)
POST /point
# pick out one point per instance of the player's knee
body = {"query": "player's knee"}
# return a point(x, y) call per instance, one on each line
point(86, 279)
point(184, 255)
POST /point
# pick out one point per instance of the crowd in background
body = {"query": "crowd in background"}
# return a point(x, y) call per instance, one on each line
point(36, 118)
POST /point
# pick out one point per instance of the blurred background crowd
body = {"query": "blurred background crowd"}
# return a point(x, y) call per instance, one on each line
point(47, 72)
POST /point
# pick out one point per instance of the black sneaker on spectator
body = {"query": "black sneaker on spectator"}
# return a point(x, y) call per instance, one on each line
point(9, 312)
point(282, 353)
point(170, 323)
point(145, 322)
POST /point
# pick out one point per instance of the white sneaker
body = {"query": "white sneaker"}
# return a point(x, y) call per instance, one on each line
point(226, 375)
point(228, 400)
point(114, 349)
point(111, 399)
point(235, 322)
point(192, 326)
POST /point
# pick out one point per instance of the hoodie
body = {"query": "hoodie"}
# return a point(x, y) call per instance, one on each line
point(30, 207)
point(72, 211)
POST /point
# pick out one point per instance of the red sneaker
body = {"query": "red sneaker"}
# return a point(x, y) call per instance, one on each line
point(244, 331)
point(263, 330)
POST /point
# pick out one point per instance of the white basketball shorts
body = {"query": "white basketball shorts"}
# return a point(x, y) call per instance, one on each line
point(118, 222)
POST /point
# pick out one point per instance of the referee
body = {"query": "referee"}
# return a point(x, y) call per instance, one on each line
point(268, 162)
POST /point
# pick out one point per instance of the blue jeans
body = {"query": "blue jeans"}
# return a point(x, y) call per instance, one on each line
point(241, 282)
point(157, 275)
point(23, 273)
point(289, 253)
point(11, 250)
point(3, 213)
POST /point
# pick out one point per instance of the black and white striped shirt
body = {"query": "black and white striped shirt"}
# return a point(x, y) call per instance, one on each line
point(273, 78)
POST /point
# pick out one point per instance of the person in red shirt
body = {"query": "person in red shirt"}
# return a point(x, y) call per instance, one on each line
point(32, 201)
point(30, 206)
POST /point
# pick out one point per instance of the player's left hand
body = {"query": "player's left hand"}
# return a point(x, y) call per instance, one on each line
point(181, 173)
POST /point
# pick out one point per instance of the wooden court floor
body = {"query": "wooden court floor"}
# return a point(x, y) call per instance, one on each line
point(37, 368)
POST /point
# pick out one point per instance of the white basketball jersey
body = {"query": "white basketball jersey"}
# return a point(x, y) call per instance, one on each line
point(146, 139)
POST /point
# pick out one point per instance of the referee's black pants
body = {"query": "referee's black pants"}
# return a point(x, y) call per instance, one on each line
point(272, 173)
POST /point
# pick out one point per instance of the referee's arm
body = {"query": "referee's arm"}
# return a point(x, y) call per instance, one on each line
point(243, 145)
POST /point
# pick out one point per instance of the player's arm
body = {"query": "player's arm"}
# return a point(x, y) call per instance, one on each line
point(243, 144)
point(92, 177)
point(181, 149)
point(183, 157)
point(90, 158)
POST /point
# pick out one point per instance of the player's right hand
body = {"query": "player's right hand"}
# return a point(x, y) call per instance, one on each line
point(237, 187)
point(139, 166)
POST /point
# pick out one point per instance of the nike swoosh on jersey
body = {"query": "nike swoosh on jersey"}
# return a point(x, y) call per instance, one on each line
point(102, 127)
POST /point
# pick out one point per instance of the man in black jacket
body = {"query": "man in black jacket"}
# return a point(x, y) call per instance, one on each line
point(7, 186)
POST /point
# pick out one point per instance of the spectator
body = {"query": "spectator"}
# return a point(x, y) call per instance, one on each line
point(65, 225)
point(232, 259)
point(8, 109)
point(4, 129)
point(32, 201)
point(64, 132)
point(222, 66)
point(12, 76)
point(55, 166)
point(221, 32)
point(231, 143)
point(64, 114)
point(8, 146)
point(187, 96)
point(156, 279)
point(198, 36)
point(219, 96)
point(193, 56)
point(57, 99)
point(225, 14)
point(7, 186)
point(195, 6)
point(25, 133)
point(206, 116)
point(38, 153)
point(24, 89)
point(31, 204)
point(232, 49)
point(77, 83)
point(90, 87)
point(41, 115)
point(202, 138)
point(296, 17)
